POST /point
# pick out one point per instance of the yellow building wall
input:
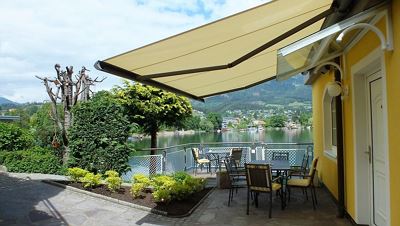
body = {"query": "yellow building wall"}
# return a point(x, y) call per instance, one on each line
point(392, 63)
point(327, 168)
point(393, 100)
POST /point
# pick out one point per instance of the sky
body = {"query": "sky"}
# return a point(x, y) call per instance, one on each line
point(37, 34)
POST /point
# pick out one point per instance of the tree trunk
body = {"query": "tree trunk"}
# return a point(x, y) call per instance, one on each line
point(153, 142)
point(153, 159)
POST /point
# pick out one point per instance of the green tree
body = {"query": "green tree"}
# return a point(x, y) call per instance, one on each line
point(23, 117)
point(215, 119)
point(14, 138)
point(192, 123)
point(277, 121)
point(305, 119)
point(98, 136)
point(152, 108)
point(242, 124)
point(206, 125)
point(44, 130)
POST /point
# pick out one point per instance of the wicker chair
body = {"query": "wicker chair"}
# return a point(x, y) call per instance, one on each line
point(305, 182)
point(200, 161)
point(259, 180)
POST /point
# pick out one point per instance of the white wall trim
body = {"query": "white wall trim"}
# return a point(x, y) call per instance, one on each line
point(358, 72)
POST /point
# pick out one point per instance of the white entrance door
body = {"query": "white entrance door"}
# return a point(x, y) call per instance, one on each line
point(377, 151)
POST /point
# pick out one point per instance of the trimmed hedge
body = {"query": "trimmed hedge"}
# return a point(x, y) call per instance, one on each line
point(14, 138)
point(98, 136)
point(34, 160)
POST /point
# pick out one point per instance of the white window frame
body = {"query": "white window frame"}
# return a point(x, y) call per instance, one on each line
point(330, 150)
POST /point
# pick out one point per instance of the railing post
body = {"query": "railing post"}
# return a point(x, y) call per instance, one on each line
point(185, 159)
point(163, 162)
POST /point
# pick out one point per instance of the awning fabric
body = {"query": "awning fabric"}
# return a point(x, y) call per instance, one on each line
point(233, 53)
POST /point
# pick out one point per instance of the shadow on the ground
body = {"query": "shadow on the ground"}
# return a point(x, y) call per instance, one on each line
point(299, 211)
point(19, 199)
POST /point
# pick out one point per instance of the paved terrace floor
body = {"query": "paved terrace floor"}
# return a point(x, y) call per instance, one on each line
point(27, 201)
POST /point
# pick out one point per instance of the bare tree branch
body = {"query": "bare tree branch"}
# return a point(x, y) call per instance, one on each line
point(69, 88)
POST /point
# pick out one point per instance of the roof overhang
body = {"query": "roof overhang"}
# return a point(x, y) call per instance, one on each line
point(323, 46)
point(233, 53)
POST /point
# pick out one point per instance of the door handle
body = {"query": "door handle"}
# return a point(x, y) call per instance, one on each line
point(368, 153)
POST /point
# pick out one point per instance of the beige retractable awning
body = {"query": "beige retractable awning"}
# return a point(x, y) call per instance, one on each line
point(233, 53)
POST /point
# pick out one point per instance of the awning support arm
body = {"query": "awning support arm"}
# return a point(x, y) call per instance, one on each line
point(112, 69)
point(248, 55)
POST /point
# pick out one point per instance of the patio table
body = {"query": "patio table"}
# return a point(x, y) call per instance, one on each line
point(217, 156)
point(278, 165)
point(282, 166)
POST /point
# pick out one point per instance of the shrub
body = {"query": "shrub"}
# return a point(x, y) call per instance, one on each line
point(162, 195)
point(180, 191)
point(34, 160)
point(196, 184)
point(111, 173)
point(163, 181)
point(76, 173)
point(14, 138)
point(113, 180)
point(91, 180)
point(141, 178)
point(180, 176)
point(98, 136)
point(137, 189)
point(166, 188)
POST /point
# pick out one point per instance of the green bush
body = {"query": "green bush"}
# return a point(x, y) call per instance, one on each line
point(76, 173)
point(34, 160)
point(162, 195)
point(180, 191)
point(113, 180)
point(141, 178)
point(91, 180)
point(163, 181)
point(167, 188)
point(98, 136)
point(14, 138)
point(196, 184)
point(137, 189)
point(180, 176)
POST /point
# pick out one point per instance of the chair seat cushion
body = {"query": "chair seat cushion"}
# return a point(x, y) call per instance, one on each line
point(203, 161)
point(275, 187)
point(298, 182)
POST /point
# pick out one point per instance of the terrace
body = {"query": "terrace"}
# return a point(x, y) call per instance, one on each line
point(180, 158)
point(31, 202)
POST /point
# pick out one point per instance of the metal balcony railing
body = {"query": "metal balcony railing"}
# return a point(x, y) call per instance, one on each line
point(179, 158)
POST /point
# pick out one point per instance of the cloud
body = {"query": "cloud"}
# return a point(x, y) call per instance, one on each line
point(36, 34)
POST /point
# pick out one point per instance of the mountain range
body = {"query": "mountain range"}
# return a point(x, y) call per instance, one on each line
point(254, 98)
point(7, 102)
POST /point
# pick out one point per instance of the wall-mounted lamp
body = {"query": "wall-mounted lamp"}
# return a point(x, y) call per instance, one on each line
point(334, 88)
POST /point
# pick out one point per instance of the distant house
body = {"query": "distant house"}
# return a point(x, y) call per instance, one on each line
point(229, 120)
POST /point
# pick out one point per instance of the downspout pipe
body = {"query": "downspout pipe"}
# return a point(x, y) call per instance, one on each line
point(340, 150)
point(338, 74)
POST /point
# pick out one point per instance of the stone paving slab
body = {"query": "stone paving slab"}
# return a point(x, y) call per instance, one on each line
point(27, 201)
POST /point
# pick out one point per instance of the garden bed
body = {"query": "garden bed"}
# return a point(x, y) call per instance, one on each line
point(174, 208)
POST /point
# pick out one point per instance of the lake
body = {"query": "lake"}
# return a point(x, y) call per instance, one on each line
point(270, 135)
